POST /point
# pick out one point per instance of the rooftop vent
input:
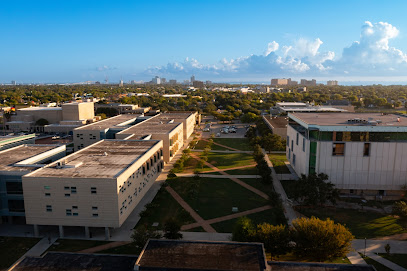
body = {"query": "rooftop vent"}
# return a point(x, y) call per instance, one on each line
point(171, 121)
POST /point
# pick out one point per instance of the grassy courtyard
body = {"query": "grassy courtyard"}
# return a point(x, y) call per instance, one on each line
point(211, 197)
point(400, 259)
point(243, 171)
point(229, 160)
point(272, 216)
point(163, 207)
point(378, 266)
point(12, 248)
point(73, 245)
point(362, 225)
point(241, 144)
point(278, 159)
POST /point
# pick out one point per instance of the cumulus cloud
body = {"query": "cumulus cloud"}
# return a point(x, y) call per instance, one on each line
point(372, 54)
point(105, 68)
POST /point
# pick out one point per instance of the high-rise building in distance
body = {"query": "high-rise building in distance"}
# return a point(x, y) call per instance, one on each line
point(332, 83)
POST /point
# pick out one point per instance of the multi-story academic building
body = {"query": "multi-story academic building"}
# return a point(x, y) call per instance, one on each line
point(97, 186)
point(362, 153)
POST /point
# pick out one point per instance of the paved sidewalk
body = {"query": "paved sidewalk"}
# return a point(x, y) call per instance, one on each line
point(236, 180)
point(355, 258)
point(218, 176)
point(227, 217)
point(219, 151)
point(104, 247)
point(289, 212)
point(385, 262)
point(200, 221)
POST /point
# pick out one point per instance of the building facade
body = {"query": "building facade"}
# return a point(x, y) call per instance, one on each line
point(98, 186)
point(362, 153)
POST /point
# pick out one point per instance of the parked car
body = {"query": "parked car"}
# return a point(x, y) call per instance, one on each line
point(218, 135)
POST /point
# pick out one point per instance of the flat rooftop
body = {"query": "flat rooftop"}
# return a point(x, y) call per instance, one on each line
point(40, 108)
point(302, 266)
point(313, 109)
point(342, 119)
point(277, 122)
point(20, 153)
point(146, 128)
point(104, 159)
point(109, 123)
point(202, 255)
point(63, 261)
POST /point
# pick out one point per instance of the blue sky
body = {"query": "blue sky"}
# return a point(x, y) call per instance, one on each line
point(74, 41)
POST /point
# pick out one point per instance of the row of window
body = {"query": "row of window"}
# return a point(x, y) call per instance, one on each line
point(338, 149)
point(72, 189)
point(73, 211)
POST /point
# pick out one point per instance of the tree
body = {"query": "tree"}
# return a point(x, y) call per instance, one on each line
point(400, 208)
point(172, 229)
point(141, 235)
point(314, 189)
point(320, 239)
point(244, 230)
point(272, 142)
point(276, 239)
point(249, 117)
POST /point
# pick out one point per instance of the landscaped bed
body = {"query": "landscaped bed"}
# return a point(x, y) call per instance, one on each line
point(12, 248)
point(361, 224)
point(278, 159)
point(212, 198)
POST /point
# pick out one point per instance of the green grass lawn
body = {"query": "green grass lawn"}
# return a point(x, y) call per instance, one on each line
point(290, 257)
point(243, 171)
point(163, 207)
point(288, 186)
point(213, 198)
point(242, 144)
point(400, 259)
point(125, 250)
point(12, 248)
point(362, 225)
point(378, 266)
point(73, 245)
point(278, 160)
point(229, 160)
point(201, 145)
point(272, 216)
point(197, 229)
point(256, 183)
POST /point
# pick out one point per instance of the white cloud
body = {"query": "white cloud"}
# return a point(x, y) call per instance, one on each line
point(371, 55)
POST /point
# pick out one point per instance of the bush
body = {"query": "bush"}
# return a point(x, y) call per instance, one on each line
point(141, 235)
point(400, 209)
point(172, 229)
point(243, 230)
point(320, 239)
point(276, 239)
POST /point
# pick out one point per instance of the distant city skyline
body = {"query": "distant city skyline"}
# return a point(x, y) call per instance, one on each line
point(353, 42)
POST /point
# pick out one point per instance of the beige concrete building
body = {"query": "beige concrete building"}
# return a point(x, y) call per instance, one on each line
point(14, 163)
point(98, 186)
point(171, 134)
point(61, 119)
point(89, 134)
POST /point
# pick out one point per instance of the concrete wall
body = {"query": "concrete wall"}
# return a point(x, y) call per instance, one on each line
point(78, 111)
point(83, 138)
point(301, 157)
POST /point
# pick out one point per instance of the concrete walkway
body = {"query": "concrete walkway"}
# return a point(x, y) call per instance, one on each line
point(225, 169)
point(218, 176)
point(385, 262)
point(219, 151)
point(104, 247)
point(227, 217)
point(289, 212)
point(236, 180)
point(355, 258)
point(200, 221)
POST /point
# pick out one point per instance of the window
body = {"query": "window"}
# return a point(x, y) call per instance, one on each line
point(48, 208)
point(94, 207)
point(75, 214)
point(73, 189)
point(66, 187)
point(95, 215)
point(93, 190)
point(47, 187)
point(366, 149)
point(68, 212)
point(155, 158)
point(48, 194)
point(151, 161)
point(67, 195)
point(161, 152)
point(351, 191)
point(144, 170)
point(292, 145)
point(289, 154)
point(338, 149)
point(75, 207)
point(298, 138)
point(293, 159)
point(148, 166)
point(303, 144)
point(288, 141)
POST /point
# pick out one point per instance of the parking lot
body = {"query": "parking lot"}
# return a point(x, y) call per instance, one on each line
point(217, 127)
